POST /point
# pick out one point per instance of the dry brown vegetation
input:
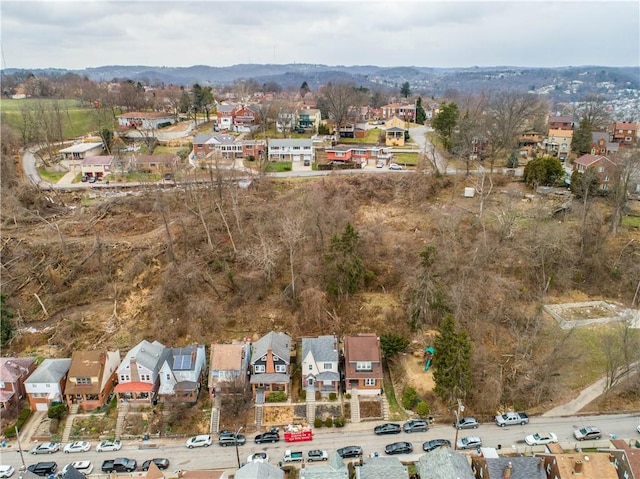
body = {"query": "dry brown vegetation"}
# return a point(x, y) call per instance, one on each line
point(218, 262)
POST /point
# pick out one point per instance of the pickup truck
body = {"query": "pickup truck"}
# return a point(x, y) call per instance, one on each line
point(292, 456)
point(120, 464)
point(509, 418)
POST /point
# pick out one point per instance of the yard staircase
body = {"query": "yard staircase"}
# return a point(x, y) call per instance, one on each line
point(355, 406)
point(311, 405)
point(259, 412)
point(215, 416)
point(68, 425)
point(385, 407)
point(123, 409)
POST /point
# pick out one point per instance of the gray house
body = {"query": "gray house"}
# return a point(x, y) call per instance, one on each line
point(387, 467)
point(444, 462)
point(335, 468)
point(270, 360)
point(259, 470)
point(513, 467)
point(320, 365)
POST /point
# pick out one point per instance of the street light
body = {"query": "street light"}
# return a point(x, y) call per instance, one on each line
point(236, 443)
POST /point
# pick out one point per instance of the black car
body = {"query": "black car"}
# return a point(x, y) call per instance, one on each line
point(415, 425)
point(43, 468)
point(435, 444)
point(350, 451)
point(389, 428)
point(231, 439)
point(401, 447)
point(267, 437)
point(161, 462)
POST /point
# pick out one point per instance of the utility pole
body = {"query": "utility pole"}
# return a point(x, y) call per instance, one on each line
point(24, 466)
point(457, 413)
point(236, 442)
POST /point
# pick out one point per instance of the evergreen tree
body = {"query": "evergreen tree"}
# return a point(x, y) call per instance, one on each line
point(392, 344)
point(7, 327)
point(344, 272)
point(582, 136)
point(421, 115)
point(445, 122)
point(405, 90)
point(304, 89)
point(512, 162)
point(543, 171)
point(452, 362)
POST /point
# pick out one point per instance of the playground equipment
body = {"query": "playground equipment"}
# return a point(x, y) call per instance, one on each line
point(428, 356)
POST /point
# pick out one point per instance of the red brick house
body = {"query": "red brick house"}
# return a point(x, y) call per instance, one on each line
point(356, 153)
point(606, 169)
point(363, 364)
point(560, 123)
point(624, 133)
point(13, 373)
point(404, 111)
point(601, 145)
point(245, 118)
point(254, 148)
point(92, 376)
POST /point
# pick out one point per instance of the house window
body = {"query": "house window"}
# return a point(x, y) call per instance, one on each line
point(145, 377)
point(310, 367)
point(364, 366)
point(327, 366)
point(281, 368)
point(124, 377)
point(606, 178)
point(258, 368)
point(600, 169)
point(628, 138)
point(168, 377)
point(83, 381)
point(370, 382)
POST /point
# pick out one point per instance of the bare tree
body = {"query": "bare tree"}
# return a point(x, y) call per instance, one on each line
point(340, 97)
point(621, 349)
point(293, 233)
point(628, 167)
point(592, 110)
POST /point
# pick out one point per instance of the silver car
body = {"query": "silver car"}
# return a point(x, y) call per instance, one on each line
point(46, 448)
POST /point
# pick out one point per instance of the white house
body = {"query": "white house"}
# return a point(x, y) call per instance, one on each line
point(142, 120)
point(181, 374)
point(320, 364)
point(292, 150)
point(80, 151)
point(46, 384)
point(139, 372)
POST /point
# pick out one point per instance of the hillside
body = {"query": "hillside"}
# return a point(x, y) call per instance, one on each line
point(215, 263)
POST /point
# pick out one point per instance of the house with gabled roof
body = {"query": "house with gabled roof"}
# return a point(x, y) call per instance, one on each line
point(91, 378)
point(405, 111)
point(225, 113)
point(624, 133)
point(139, 373)
point(245, 118)
point(512, 467)
point(270, 363)
point(334, 468)
point(309, 118)
point(601, 144)
point(217, 146)
point(605, 169)
point(97, 165)
point(363, 363)
point(626, 459)
point(597, 465)
point(443, 462)
point(291, 150)
point(228, 367)
point(320, 365)
point(181, 374)
point(259, 470)
point(379, 467)
point(560, 122)
point(46, 384)
point(558, 143)
point(14, 372)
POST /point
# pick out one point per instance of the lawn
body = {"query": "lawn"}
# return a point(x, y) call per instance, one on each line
point(278, 166)
point(631, 221)
point(51, 176)
point(370, 138)
point(406, 159)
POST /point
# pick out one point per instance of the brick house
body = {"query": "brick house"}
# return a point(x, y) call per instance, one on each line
point(46, 384)
point(91, 378)
point(405, 111)
point(602, 145)
point(224, 116)
point(559, 122)
point(606, 169)
point(98, 166)
point(270, 362)
point(13, 374)
point(245, 118)
point(357, 153)
point(624, 133)
point(220, 146)
point(363, 363)
point(254, 148)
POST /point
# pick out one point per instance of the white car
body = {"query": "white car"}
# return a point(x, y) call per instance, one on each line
point(258, 457)
point(78, 446)
point(83, 467)
point(380, 164)
point(202, 440)
point(394, 166)
point(541, 438)
point(6, 471)
point(106, 446)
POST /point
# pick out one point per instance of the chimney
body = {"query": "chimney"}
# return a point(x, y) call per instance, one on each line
point(507, 471)
point(270, 366)
point(577, 468)
point(135, 377)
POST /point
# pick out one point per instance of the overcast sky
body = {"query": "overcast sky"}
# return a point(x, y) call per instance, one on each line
point(86, 33)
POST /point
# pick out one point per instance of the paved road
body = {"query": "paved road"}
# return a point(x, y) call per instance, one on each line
point(622, 425)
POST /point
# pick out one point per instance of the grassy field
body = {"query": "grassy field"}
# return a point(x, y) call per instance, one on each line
point(51, 176)
point(76, 120)
point(406, 159)
point(370, 138)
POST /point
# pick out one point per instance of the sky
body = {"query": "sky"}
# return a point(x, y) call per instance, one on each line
point(89, 33)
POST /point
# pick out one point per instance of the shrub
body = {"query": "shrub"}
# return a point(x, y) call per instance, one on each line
point(10, 431)
point(279, 396)
point(339, 422)
point(303, 395)
point(57, 411)
point(317, 422)
point(409, 398)
point(332, 396)
point(347, 396)
point(53, 425)
point(422, 409)
point(328, 422)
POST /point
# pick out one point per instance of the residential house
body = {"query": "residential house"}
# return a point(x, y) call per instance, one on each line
point(80, 151)
point(480, 148)
point(598, 465)
point(144, 120)
point(528, 142)
point(91, 378)
point(153, 472)
point(378, 467)
point(405, 111)
point(254, 149)
point(139, 373)
point(202, 474)
point(624, 133)
point(334, 468)
point(228, 368)
point(559, 122)
point(214, 147)
point(395, 122)
point(320, 365)
point(606, 170)
point(357, 153)
point(181, 374)
point(158, 164)
point(245, 119)
point(602, 145)
point(444, 462)
point(98, 166)
point(309, 118)
point(46, 384)
point(511, 467)
point(626, 459)
point(286, 120)
point(394, 136)
point(258, 470)
point(13, 374)
point(270, 361)
point(363, 363)
point(558, 143)
point(291, 150)
point(225, 114)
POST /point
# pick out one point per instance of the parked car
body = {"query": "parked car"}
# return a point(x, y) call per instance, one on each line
point(231, 440)
point(388, 428)
point(108, 446)
point(415, 425)
point(541, 438)
point(435, 444)
point(161, 462)
point(306, 162)
point(202, 440)
point(83, 467)
point(468, 422)
point(270, 436)
point(258, 457)
point(119, 464)
point(350, 451)
point(7, 471)
point(45, 448)
point(84, 178)
point(168, 177)
point(469, 442)
point(401, 447)
point(395, 166)
point(77, 446)
point(93, 179)
point(43, 468)
point(587, 433)
point(380, 164)
point(317, 455)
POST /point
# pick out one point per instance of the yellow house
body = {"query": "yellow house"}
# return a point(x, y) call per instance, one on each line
point(394, 132)
point(558, 143)
point(395, 122)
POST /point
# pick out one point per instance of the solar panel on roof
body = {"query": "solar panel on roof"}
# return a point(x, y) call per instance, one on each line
point(182, 361)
